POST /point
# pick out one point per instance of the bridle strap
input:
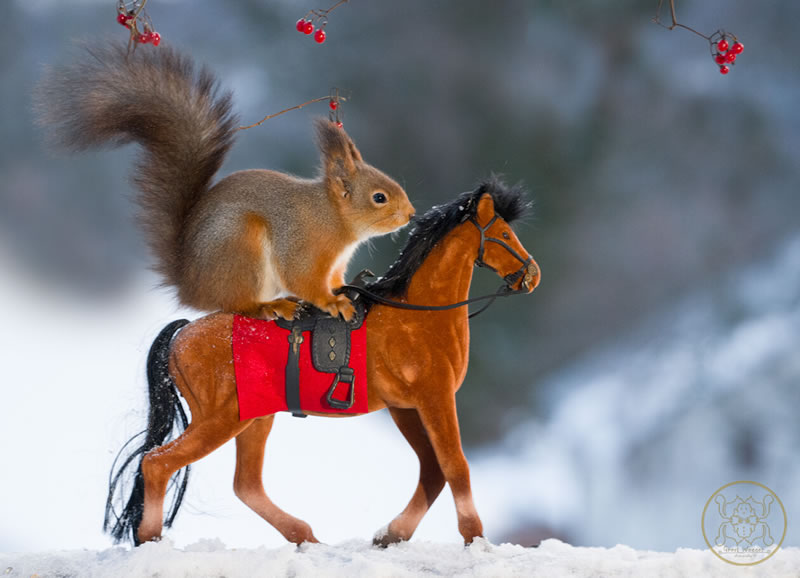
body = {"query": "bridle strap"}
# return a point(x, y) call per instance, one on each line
point(511, 278)
point(502, 292)
point(505, 290)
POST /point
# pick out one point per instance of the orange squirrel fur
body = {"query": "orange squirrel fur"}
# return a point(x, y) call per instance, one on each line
point(256, 237)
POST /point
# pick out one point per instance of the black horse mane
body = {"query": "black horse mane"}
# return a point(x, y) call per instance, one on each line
point(429, 229)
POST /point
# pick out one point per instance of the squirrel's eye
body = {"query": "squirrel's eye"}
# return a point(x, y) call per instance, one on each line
point(379, 198)
point(506, 235)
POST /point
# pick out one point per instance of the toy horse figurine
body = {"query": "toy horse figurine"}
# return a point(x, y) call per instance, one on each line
point(416, 361)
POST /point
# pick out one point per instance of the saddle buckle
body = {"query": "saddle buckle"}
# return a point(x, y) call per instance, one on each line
point(344, 375)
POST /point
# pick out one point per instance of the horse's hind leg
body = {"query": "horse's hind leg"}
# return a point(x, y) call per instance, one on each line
point(200, 439)
point(431, 479)
point(249, 486)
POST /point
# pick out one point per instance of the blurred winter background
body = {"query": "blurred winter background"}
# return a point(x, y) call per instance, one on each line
point(657, 361)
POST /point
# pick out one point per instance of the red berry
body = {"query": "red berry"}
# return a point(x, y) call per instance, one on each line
point(719, 58)
point(730, 56)
point(320, 36)
point(724, 69)
point(301, 25)
point(333, 104)
point(122, 19)
point(722, 45)
point(143, 38)
point(737, 47)
point(309, 27)
point(339, 124)
point(155, 38)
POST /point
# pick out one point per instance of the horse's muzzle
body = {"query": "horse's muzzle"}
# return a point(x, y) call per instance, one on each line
point(531, 278)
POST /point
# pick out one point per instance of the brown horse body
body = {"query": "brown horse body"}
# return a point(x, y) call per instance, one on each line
point(416, 362)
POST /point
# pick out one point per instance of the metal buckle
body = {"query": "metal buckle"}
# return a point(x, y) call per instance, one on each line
point(345, 375)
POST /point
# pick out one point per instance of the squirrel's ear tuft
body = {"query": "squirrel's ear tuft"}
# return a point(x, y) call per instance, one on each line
point(339, 153)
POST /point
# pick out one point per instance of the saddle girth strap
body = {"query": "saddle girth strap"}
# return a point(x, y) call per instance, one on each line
point(293, 372)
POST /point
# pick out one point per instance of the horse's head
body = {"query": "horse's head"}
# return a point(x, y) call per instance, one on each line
point(499, 248)
point(480, 220)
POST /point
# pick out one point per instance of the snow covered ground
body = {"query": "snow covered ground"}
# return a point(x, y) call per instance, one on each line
point(357, 558)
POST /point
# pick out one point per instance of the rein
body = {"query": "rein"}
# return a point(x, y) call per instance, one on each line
point(504, 290)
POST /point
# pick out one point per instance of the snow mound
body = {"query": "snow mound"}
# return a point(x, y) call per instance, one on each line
point(210, 558)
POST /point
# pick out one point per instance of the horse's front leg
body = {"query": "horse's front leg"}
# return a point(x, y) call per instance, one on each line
point(438, 415)
point(431, 479)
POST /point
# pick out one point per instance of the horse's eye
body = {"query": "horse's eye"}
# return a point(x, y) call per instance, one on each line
point(379, 198)
point(506, 235)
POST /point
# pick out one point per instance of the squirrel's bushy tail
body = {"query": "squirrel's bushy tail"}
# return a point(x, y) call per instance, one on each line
point(158, 99)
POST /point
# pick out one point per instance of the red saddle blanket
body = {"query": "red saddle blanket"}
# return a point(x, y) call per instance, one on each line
point(260, 353)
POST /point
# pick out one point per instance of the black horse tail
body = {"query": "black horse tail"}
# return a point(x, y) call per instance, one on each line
point(165, 409)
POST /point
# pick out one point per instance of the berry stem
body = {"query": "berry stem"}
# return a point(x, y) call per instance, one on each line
point(334, 7)
point(675, 23)
point(296, 107)
point(137, 8)
point(323, 14)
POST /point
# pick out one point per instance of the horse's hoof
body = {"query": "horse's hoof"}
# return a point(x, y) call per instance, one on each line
point(479, 544)
point(470, 529)
point(384, 537)
point(303, 546)
point(300, 533)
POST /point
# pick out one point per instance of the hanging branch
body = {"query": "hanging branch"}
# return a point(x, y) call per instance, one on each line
point(722, 52)
point(333, 104)
point(675, 23)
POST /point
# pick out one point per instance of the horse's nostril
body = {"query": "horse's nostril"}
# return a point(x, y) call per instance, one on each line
point(531, 274)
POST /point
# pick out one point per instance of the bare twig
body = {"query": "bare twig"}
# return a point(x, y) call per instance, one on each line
point(675, 23)
point(299, 106)
point(323, 14)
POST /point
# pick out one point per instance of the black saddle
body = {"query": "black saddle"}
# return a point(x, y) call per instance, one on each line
point(330, 351)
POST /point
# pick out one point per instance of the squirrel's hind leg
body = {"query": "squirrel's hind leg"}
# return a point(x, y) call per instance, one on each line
point(269, 310)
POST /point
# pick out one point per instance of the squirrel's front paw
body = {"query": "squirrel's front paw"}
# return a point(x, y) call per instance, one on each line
point(340, 305)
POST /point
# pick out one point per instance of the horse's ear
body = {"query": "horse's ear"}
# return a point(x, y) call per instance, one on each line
point(485, 209)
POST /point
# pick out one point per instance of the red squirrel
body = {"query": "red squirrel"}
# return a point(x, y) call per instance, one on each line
point(257, 240)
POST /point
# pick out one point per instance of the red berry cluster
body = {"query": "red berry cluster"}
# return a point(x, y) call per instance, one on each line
point(318, 18)
point(307, 27)
point(153, 38)
point(725, 53)
point(133, 19)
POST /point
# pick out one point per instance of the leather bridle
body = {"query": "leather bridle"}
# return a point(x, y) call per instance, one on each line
point(511, 278)
point(528, 270)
